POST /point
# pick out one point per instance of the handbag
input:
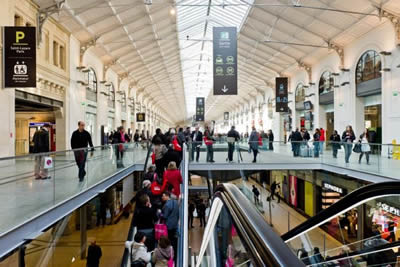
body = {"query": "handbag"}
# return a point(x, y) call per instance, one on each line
point(171, 262)
point(357, 148)
point(160, 229)
point(177, 146)
point(260, 142)
point(153, 158)
point(195, 213)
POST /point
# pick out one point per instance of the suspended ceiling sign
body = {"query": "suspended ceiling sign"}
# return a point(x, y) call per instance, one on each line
point(140, 117)
point(19, 57)
point(225, 60)
point(200, 109)
point(281, 84)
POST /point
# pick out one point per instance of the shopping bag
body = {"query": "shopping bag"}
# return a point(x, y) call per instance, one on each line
point(357, 148)
point(171, 262)
point(230, 262)
point(48, 163)
point(153, 158)
point(195, 213)
point(233, 231)
point(175, 143)
point(160, 230)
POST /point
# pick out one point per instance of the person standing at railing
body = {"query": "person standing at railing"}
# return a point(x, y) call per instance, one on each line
point(119, 139)
point(348, 138)
point(233, 137)
point(253, 143)
point(209, 141)
point(197, 141)
point(271, 140)
point(41, 145)
point(80, 140)
point(365, 147)
point(335, 141)
point(136, 137)
point(296, 140)
point(317, 142)
point(322, 140)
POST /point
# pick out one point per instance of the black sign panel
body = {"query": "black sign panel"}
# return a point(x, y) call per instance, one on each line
point(200, 108)
point(281, 84)
point(140, 117)
point(225, 60)
point(19, 57)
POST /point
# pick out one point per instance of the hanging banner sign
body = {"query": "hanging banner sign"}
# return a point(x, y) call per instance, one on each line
point(19, 57)
point(281, 99)
point(225, 60)
point(200, 109)
point(140, 117)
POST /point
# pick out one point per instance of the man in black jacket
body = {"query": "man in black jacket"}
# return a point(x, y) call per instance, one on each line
point(233, 136)
point(41, 145)
point(296, 140)
point(160, 135)
point(197, 141)
point(94, 255)
point(81, 139)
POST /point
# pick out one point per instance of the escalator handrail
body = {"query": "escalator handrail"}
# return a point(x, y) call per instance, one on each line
point(348, 202)
point(270, 247)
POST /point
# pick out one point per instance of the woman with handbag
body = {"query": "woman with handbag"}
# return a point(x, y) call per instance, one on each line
point(335, 141)
point(163, 255)
point(348, 138)
point(120, 138)
point(365, 147)
point(209, 141)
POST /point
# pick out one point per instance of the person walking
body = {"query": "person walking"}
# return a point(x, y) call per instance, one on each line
point(80, 140)
point(335, 141)
point(209, 141)
point(270, 140)
point(296, 142)
point(170, 213)
point(322, 140)
point(41, 145)
point(256, 195)
point(273, 189)
point(365, 147)
point(253, 143)
point(197, 141)
point(232, 138)
point(201, 212)
point(136, 138)
point(174, 179)
point(192, 208)
point(348, 138)
point(163, 253)
point(317, 142)
point(278, 192)
point(93, 255)
point(119, 139)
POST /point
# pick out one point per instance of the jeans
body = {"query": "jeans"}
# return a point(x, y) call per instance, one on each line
point(231, 148)
point(255, 152)
point(334, 151)
point(296, 149)
point(210, 153)
point(80, 159)
point(119, 152)
point(256, 200)
point(321, 147)
point(347, 150)
point(197, 149)
point(316, 149)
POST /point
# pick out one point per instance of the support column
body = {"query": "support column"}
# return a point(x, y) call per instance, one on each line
point(83, 228)
point(21, 256)
point(360, 225)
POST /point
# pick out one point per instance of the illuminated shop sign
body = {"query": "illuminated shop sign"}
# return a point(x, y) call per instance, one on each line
point(333, 188)
point(388, 208)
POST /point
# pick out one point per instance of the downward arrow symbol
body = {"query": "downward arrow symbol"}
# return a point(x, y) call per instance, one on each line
point(225, 89)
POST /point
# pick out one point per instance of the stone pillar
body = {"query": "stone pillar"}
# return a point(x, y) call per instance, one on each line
point(83, 228)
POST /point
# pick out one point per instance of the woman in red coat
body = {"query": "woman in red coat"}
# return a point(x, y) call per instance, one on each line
point(174, 178)
point(158, 186)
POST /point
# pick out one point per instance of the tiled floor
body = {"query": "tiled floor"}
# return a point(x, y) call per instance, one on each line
point(24, 197)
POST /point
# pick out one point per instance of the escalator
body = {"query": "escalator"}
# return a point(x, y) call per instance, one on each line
point(376, 237)
point(237, 235)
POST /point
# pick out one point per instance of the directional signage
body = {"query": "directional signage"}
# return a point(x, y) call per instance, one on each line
point(225, 60)
point(281, 84)
point(140, 117)
point(200, 109)
point(19, 57)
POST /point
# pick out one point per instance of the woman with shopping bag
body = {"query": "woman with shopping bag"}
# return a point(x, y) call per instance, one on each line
point(365, 147)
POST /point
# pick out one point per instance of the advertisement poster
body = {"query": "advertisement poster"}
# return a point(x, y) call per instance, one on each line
point(225, 60)
point(281, 100)
point(140, 117)
point(19, 57)
point(200, 108)
point(293, 190)
point(309, 198)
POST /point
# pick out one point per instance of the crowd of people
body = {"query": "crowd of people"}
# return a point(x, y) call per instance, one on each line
point(300, 143)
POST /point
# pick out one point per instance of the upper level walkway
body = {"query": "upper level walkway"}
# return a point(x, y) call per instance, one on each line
point(29, 205)
point(381, 166)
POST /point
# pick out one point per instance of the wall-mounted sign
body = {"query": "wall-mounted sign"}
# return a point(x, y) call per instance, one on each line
point(200, 108)
point(140, 117)
point(308, 105)
point(388, 208)
point(225, 60)
point(281, 99)
point(19, 57)
point(334, 188)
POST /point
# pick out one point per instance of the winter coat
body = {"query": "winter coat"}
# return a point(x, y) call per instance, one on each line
point(139, 251)
point(162, 255)
point(41, 141)
point(174, 178)
point(253, 140)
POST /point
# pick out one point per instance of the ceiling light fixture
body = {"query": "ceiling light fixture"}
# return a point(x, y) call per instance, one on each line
point(172, 11)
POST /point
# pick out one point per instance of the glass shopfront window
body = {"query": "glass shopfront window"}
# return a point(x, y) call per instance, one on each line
point(91, 89)
point(111, 96)
point(326, 83)
point(368, 67)
point(300, 96)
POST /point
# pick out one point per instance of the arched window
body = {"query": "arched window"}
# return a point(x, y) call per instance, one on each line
point(91, 89)
point(111, 96)
point(123, 101)
point(300, 93)
point(326, 83)
point(368, 67)
point(270, 108)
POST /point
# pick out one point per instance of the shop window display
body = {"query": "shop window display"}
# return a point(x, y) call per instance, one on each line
point(300, 93)
point(91, 89)
point(368, 67)
point(326, 83)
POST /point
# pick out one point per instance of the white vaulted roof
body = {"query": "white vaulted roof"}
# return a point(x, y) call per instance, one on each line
point(169, 54)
